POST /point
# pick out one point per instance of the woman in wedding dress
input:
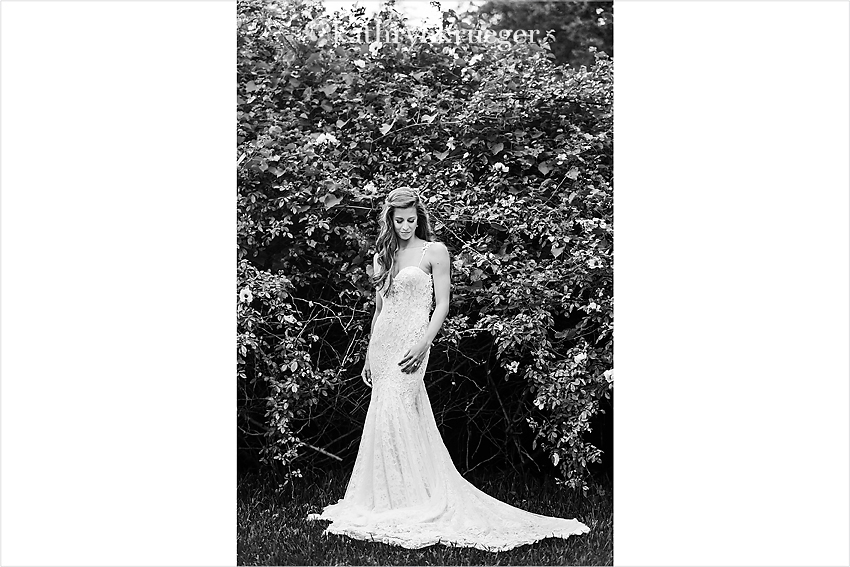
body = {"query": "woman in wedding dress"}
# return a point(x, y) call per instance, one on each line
point(404, 489)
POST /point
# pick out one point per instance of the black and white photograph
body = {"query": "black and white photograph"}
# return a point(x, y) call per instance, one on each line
point(401, 254)
point(425, 283)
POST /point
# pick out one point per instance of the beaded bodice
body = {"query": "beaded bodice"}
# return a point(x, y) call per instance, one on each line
point(412, 290)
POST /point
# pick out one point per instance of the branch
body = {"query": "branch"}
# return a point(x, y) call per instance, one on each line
point(409, 126)
point(322, 451)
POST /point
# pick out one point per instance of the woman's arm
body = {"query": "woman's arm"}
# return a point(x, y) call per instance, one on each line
point(366, 373)
point(379, 302)
point(441, 273)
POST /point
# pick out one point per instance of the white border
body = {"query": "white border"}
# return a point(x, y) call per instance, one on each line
point(731, 283)
point(118, 255)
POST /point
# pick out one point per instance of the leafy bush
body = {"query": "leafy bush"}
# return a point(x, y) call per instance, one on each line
point(574, 26)
point(513, 154)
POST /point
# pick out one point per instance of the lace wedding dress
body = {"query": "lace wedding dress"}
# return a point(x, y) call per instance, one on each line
point(404, 489)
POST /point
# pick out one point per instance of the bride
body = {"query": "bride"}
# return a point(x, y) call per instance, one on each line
point(404, 489)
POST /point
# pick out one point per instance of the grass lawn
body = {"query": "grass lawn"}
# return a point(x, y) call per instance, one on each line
point(272, 529)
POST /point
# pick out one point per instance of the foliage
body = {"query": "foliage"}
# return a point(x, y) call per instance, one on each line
point(575, 26)
point(513, 154)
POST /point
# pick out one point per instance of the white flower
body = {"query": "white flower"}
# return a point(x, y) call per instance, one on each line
point(593, 306)
point(562, 157)
point(475, 58)
point(359, 63)
point(320, 26)
point(609, 375)
point(375, 47)
point(450, 144)
point(499, 166)
point(245, 296)
point(580, 356)
point(326, 139)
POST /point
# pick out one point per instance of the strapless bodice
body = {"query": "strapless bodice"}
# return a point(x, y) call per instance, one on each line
point(412, 290)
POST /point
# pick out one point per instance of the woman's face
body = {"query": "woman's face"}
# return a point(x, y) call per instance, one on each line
point(404, 222)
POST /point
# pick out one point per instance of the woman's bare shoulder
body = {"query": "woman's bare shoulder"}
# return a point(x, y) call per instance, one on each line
point(437, 252)
point(438, 247)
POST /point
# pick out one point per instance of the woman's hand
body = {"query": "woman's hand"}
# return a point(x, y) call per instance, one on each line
point(414, 356)
point(366, 374)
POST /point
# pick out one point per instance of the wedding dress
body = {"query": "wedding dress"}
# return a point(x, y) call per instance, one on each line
point(404, 489)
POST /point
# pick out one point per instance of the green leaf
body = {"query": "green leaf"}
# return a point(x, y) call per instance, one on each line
point(544, 168)
point(496, 148)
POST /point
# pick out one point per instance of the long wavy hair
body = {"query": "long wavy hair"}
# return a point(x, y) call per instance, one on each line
point(387, 243)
